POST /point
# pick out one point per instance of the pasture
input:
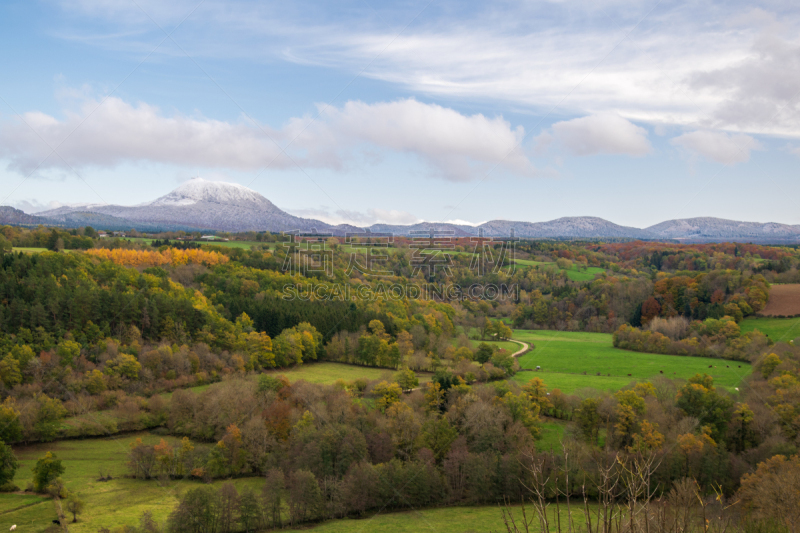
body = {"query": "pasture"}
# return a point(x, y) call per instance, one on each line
point(245, 245)
point(226, 244)
point(574, 360)
point(450, 519)
point(474, 332)
point(28, 511)
point(505, 345)
point(29, 250)
point(551, 435)
point(111, 504)
point(327, 373)
point(574, 273)
point(454, 519)
point(121, 501)
point(777, 329)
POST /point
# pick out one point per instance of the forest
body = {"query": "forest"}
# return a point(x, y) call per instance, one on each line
point(195, 351)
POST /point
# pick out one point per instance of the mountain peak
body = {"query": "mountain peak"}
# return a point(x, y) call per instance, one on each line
point(216, 192)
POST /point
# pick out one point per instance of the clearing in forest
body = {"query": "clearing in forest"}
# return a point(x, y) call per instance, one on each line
point(784, 300)
point(777, 329)
point(574, 360)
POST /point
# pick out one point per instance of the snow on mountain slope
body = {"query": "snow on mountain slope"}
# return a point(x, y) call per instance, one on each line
point(709, 228)
point(207, 204)
point(224, 206)
point(217, 192)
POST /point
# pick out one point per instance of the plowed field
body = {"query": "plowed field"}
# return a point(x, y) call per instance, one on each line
point(784, 300)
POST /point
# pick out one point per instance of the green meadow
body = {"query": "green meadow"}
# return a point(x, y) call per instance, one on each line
point(584, 275)
point(452, 520)
point(328, 373)
point(506, 345)
point(572, 360)
point(552, 433)
point(245, 245)
point(574, 273)
point(121, 501)
point(114, 503)
point(227, 244)
point(29, 250)
point(778, 329)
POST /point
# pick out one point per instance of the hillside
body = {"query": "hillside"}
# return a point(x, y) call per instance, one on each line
point(15, 217)
point(566, 227)
point(715, 229)
point(209, 205)
point(221, 206)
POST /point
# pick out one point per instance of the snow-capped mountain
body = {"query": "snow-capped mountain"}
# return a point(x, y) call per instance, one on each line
point(206, 204)
point(718, 229)
point(222, 206)
point(217, 192)
point(565, 227)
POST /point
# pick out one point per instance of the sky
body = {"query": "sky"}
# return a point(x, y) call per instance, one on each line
point(397, 112)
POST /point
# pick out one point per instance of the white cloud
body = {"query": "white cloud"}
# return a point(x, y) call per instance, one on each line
point(393, 216)
point(370, 217)
point(358, 218)
point(460, 147)
point(724, 148)
point(117, 132)
point(32, 205)
point(598, 134)
point(455, 146)
point(460, 222)
point(759, 91)
point(707, 64)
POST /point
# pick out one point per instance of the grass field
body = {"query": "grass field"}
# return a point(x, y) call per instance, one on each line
point(29, 250)
point(574, 273)
point(451, 519)
point(778, 329)
point(507, 345)
point(328, 373)
point(565, 356)
point(28, 511)
point(552, 434)
point(246, 245)
point(121, 501)
point(584, 275)
point(228, 244)
point(472, 332)
point(108, 503)
point(145, 240)
point(325, 373)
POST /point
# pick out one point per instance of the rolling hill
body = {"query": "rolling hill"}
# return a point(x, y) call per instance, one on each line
point(220, 206)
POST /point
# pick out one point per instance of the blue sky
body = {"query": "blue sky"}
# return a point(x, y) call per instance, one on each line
point(366, 112)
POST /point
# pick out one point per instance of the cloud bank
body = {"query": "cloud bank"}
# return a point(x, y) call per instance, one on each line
point(715, 64)
point(598, 134)
point(454, 146)
point(358, 218)
point(723, 148)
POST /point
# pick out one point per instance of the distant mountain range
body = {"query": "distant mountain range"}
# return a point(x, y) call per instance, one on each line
point(200, 205)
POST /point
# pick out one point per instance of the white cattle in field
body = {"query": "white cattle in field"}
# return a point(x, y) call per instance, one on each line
point(13, 527)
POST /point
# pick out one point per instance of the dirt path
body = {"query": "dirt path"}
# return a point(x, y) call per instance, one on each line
point(525, 347)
